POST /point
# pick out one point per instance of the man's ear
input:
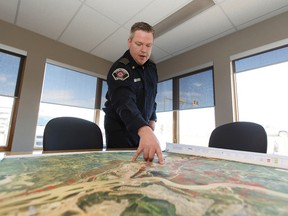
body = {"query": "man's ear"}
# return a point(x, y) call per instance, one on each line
point(129, 42)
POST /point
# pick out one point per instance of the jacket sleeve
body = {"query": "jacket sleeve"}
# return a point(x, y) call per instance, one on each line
point(154, 116)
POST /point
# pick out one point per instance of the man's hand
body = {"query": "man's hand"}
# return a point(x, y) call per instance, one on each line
point(149, 145)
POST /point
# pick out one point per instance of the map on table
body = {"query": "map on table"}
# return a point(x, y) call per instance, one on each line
point(109, 183)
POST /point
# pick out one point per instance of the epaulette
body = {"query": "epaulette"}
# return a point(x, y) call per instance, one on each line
point(151, 61)
point(124, 61)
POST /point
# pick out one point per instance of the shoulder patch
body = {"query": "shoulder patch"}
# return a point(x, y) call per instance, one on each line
point(120, 74)
point(124, 61)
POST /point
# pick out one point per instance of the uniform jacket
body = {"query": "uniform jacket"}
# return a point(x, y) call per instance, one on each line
point(131, 92)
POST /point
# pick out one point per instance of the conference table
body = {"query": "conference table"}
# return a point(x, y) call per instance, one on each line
point(109, 183)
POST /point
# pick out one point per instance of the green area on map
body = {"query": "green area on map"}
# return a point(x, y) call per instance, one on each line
point(109, 183)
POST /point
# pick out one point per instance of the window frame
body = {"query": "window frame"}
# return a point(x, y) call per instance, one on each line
point(176, 102)
point(233, 72)
point(272, 137)
point(98, 89)
point(16, 97)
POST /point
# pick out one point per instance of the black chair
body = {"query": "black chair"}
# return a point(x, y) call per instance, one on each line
point(243, 136)
point(70, 133)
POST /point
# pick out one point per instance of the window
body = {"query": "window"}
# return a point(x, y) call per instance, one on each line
point(102, 114)
point(185, 109)
point(196, 105)
point(10, 72)
point(261, 86)
point(103, 95)
point(164, 100)
point(65, 93)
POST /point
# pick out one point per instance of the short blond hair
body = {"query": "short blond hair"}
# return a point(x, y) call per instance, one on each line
point(141, 26)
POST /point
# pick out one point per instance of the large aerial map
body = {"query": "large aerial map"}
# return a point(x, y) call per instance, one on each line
point(109, 183)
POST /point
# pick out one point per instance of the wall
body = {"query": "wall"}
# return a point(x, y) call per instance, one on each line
point(265, 35)
point(38, 49)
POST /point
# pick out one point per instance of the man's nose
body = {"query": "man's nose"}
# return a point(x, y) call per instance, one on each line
point(144, 48)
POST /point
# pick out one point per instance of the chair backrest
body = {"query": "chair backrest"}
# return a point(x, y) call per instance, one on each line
point(243, 136)
point(70, 133)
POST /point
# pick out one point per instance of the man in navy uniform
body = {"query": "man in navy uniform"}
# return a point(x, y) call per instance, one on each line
point(130, 109)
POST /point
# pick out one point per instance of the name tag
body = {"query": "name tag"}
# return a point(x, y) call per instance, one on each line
point(137, 79)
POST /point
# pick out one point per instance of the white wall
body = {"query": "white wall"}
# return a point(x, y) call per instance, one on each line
point(268, 34)
point(37, 50)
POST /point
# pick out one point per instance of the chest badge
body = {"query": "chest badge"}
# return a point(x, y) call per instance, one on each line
point(120, 74)
point(137, 80)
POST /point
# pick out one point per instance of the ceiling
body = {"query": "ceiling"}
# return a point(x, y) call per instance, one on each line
point(101, 27)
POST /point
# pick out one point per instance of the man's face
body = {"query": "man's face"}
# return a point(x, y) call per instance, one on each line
point(140, 46)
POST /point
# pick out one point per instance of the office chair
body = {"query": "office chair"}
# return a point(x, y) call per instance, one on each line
point(70, 133)
point(243, 136)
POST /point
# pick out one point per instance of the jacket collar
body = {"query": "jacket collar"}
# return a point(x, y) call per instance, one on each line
point(132, 62)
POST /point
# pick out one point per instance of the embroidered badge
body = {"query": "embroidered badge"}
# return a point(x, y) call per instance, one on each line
point(120, 74)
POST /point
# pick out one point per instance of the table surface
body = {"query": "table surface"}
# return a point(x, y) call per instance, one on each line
point(109, 183)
